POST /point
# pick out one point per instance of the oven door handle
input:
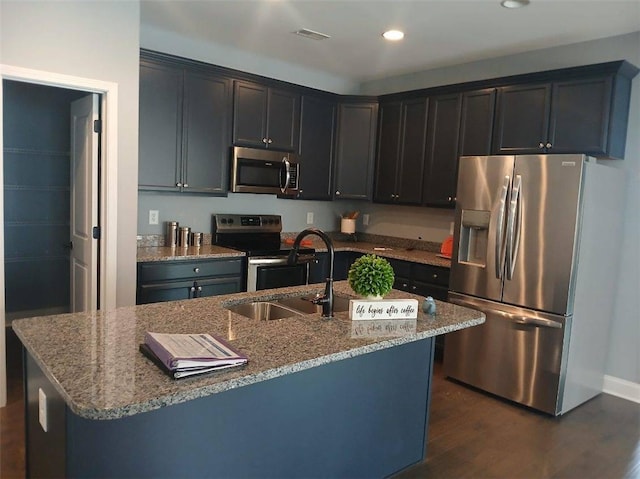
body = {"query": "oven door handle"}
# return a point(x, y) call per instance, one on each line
point(271, 261)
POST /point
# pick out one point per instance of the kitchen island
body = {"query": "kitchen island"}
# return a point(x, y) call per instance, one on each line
point(318, 397)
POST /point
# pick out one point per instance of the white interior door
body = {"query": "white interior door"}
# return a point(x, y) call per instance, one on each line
point(84, 204)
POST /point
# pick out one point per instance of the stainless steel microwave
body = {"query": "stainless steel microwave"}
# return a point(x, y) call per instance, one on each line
point(264, 171)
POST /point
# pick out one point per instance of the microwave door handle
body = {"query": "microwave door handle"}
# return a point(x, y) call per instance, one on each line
point(499, 242)
point(513, 229)
point(287, 176)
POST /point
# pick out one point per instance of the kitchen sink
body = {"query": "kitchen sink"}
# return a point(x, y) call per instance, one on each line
point(264, 310)
point(286, 307)
point(304, 304)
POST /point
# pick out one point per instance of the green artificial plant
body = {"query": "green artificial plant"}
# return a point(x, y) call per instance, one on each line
point(371, 275)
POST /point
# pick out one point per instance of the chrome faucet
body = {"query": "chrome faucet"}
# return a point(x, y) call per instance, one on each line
point(327, 300)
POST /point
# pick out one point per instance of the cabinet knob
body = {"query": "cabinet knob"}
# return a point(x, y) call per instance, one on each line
point(413, 287)
point(264, 140)
point(185, 185)
point(541, 145)
point(548, 145)
point(434, 276)
point(337, 193)
point(269, 141)
point(196, 270)
point(178, 184)
point(405, 285)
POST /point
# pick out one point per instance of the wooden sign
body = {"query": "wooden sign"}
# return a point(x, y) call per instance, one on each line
point(363, 309)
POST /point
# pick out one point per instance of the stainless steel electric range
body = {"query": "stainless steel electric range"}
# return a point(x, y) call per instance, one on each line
point(259, 236)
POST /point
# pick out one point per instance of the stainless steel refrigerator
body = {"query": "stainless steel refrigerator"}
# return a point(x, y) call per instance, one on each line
point(536, 249)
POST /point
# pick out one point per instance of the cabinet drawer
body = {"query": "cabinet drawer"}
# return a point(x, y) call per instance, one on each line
point(429, 289)
point(431, 274)
point(400, 268)
point(402, 284)
point(176, 270)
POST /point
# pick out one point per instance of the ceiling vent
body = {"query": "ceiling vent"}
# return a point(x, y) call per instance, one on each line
point(305, 32)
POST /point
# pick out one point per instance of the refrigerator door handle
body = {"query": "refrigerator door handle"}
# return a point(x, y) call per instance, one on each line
point(500, 227)
point(513, 229)
point(545, 323)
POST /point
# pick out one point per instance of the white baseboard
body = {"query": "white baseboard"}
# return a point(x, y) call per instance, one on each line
point(622, 388)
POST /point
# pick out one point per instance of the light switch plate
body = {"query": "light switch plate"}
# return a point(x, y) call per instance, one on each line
point(42, 409)
point(309, 218)
point(365, 219)
point(153, 217)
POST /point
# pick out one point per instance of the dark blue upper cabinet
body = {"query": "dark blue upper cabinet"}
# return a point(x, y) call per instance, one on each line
point(265, 117)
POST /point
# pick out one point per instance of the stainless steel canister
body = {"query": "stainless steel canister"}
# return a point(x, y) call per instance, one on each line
point(184, 236)
point(171, 238)
point(196, 239)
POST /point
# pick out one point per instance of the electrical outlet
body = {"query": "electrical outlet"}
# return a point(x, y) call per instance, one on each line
point(153, 217)
point(365, 219)
point(42, 409)
point(309, 218)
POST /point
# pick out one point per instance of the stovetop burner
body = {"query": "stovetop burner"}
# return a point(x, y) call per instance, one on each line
point(256, 235)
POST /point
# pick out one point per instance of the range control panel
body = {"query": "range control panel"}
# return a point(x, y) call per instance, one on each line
point(228, 223)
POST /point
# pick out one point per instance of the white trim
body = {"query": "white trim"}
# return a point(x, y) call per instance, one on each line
point(109, 187)
point(3, 340)
point(621, 388)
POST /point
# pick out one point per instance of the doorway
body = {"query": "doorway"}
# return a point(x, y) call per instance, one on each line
point(37, 198)
point(108, 179)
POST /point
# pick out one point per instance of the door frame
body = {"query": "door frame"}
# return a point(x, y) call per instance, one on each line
point(108, 208)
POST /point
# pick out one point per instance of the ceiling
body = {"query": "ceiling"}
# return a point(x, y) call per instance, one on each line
point(438, 33)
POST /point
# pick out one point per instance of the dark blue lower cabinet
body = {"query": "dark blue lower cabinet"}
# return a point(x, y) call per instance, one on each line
point(363, 417)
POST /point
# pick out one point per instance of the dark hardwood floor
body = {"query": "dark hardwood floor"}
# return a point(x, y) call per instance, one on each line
point(475, 435)
point(12, 416)
point(471, 435)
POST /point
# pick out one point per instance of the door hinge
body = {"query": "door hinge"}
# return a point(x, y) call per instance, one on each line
point(96, 232)
point(97, 126)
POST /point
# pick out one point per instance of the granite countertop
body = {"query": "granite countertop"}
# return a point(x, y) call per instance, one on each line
point(93, 360)
point(386, 251)
point(164, 253)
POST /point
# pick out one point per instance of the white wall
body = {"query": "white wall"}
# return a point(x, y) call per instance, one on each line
point(624, 353)
point(99, 41)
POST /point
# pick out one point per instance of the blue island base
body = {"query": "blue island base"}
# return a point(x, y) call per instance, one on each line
point(361, 417)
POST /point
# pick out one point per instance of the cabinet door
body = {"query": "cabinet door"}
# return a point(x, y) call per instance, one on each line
point(316, 147)
point(283, 120)
point(388, 158)
point(476, 122)
point(580, 116)
point(342, 262)
point(319, 269)
point(250, 114)
point(412, 152)
point(170, 291)
point(160, 127)
point(441, 165)
point(356, 150)
point(207, 139)
point(522, 119)
point(218, 286)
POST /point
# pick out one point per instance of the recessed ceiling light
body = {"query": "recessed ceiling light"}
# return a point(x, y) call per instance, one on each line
point(514, 3)
point(393, 35)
